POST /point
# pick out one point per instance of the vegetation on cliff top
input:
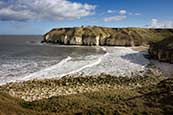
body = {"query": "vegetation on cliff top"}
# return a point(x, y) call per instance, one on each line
point(108, 36)
point(167, 43)
point(162, 50)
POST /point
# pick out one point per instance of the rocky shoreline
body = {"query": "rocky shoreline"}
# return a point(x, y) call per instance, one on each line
point(74, 84)
point(103, 94)
point(96, 94)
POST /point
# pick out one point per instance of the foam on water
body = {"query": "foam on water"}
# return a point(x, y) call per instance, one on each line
point(24, 58)
point(14, 69)
point(68, 66)
point(118, 61)
point(45, 72)
point(98, 61)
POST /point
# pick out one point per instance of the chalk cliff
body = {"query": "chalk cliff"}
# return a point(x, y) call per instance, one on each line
point(105, 36)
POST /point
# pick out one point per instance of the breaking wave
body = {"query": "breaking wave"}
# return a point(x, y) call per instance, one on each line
point(119, 61)
point(68, 66)
point(46, 70)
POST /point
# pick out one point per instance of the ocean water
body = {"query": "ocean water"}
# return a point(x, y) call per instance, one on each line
point(24, 57)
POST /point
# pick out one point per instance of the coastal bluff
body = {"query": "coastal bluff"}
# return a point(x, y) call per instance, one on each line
point(104, 36)
point(162, 50)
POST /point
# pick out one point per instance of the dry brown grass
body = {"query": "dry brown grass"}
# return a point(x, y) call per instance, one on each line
point(132, 96)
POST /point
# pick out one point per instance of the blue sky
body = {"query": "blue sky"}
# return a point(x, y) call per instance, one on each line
point(39, 16)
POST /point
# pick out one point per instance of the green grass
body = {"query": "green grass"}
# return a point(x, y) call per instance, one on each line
point(166, 43)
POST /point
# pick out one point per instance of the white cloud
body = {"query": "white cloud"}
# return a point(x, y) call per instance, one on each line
point(43, 10)
point(111, 11)
point(155, 23)
point(122, 12)
point(121, 15)
point(115, 18)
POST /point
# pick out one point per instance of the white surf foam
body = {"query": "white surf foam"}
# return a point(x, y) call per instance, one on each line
point(67, 66)
point(118, 61)
point(104, 49)
point(30, 76)
point(85, 66)
point(98, 61)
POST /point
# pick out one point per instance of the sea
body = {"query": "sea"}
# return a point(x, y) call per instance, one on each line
point(24, 57)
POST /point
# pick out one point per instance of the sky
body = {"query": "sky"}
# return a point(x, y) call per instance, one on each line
point(36, 17)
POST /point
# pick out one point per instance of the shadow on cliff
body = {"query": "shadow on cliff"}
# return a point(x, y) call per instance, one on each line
point(141, 57)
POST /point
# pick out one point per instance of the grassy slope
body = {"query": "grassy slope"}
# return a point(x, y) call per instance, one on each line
point(12, 106)
point(166, 43)
point(132, 96)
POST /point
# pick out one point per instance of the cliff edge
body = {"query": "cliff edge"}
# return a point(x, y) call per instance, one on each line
point(162, 50)
point(104, 36)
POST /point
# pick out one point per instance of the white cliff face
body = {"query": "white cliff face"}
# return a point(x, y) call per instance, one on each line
point(78, 40)
point(47, 37)
point(97, 40)
point(65, 39)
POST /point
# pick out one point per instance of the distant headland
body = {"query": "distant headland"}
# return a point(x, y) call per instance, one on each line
point(104, 36)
